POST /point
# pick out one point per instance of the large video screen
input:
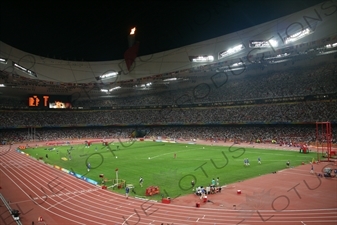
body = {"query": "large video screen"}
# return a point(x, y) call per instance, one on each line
point(49, 101)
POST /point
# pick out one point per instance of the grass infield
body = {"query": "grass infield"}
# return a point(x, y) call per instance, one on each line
point(155, 162)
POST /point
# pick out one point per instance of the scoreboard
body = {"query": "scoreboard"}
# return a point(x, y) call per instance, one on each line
point(49, 101)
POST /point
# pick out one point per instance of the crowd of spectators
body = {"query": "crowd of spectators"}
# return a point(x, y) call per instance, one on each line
point(218, 122)
point(231, 133)
point(321, 80)
point(318, 80)
point(210, 89)
point(12, 102)
point(301, 112)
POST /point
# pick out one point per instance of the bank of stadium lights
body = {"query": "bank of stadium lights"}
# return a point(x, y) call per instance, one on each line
point(273, 43)
point(283, 55)
point(25, 70)
point(327, 49)
point(231, 51)
point(114, 88)
point(110, 90)
point(237, 64)
point(198, 59)
point(2, 85)
point(170, 79)
point(108, 75)
point(331, 45)
point(299, 35)
point(144, 85)
point(3, 61)
point(263, 44)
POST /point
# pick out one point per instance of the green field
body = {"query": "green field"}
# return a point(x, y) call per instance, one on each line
point(155, 162)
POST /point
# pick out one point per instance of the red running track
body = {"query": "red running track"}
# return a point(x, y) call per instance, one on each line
point(40, 190)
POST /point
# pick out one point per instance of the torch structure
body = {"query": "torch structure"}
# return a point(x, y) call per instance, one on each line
point(131, 54)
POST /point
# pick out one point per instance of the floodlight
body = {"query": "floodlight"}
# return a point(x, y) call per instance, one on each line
point(205, 58)
point(25, 70)
point(331, 45)
point(170, 79)
point(108, 75)
point(3, 61)
point(237, 64)
point(263, 44)
point(299, 35)
point(231, 51)
point(114, 88)
point(273, 42)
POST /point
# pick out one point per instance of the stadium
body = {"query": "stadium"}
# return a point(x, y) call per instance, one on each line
point(230, 128)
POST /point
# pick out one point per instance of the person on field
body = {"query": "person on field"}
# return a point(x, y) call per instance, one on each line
point(192, 184)
point(127, 190)
point(213, 182)
point(141, 181)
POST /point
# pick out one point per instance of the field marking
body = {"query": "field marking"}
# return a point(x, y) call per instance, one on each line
point(67, 193)
point(17, 164)
point(79, 199)
point(156, 156)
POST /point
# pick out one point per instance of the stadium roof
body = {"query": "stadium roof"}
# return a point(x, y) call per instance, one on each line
point(58, 44)
point(98, 30)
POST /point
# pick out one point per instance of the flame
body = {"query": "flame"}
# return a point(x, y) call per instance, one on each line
point(133, 30)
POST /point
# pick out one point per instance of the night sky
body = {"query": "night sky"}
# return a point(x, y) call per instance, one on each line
point(98, 30)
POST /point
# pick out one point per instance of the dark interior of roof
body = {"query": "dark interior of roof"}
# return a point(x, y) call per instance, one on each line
point(97, 31)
